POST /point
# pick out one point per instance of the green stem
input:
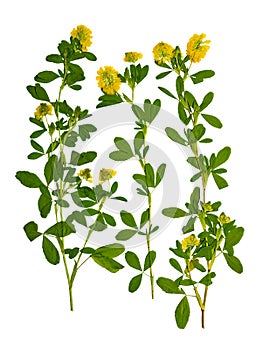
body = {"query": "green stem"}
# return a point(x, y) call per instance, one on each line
point(148, 242)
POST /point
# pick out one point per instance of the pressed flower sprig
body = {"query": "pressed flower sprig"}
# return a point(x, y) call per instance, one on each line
point(63, 182)
point(218, 234)
point(149, 179)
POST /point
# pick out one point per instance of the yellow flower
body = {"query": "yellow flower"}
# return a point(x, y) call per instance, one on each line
point(207, 207)
point(190, 242)
point(132, 57)
point(197, 47)
point(42, 110)
point(163, 52)
point(108, 80)
point(85, 174)
point(223, 219)
point(84, 35)
point(106, 174)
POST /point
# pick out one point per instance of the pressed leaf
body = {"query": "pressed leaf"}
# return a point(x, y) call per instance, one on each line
point(110, 251)
point(49, 169)
point(60, 229)
point(46, 76)
point(38, 92)
point(174, 212)
point(168, 285)
point(167, 92)
point(28, 179)
point(128, 219)
point(234, 263)
point(173, 262)
point(189, 226)
point(200, 76)
point(44, 202)
point(207, 280)
point(107, 263)
point(109, 219)
point(126, 234)
point(160, 174)
point(150, 176)
point(234, 236)
point(214, 121)
point(133, 260)
point(149, 260)
point(222, 156)
point(182, 313)
point(174, 136)
point(31, 230)
point(50, 251)
point(135, 283)
point(35, 155)
point(219, 180)
point(162, 75)
point(138, 141)
point(206, 101)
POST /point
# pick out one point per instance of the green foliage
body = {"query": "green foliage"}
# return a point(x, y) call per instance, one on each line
point(31, 230)
point(182, 313)
point(50, 251)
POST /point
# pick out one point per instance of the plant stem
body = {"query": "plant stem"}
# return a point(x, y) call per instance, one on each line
point(148, 242)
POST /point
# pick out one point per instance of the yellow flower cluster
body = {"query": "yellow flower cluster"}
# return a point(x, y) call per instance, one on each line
point(106, 174)
point(84, 35)
point(42, 110)
point(108, 80)
point(163, 52)
point(223, 219)
point(197, 47)
point(207, 207)
point(86, 175)
point(132, 57)
point(190, 242)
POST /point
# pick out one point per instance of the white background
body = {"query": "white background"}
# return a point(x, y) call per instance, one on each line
point(34, 306)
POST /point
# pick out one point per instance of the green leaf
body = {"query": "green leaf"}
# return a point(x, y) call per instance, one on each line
point(222, 156)
point(174, 212)
point(174, 136)
point(128, 219)
point(62, 203)
point(182, 114)
point(207, 280)
point(173, 262)
point(28, 179)
point(31, 230)
point(60, 229)
point(75, 87)
point(160, 173)
point(219, 180)
point(38, 123)
point(200, 76)
point(72, 252)
point(194, 200)
point(126, 234)
point(162, 75)
point(107, 263)
point(182, 313)
point(125, 151)
point(36, 146)
point(109, 219)
point(38, 92)
point(234, 236)
point(119, 198)
point(85, 130)
point(198, 131)
point(193, 161)
point(187, 282)
point(44, 202)
point(206, 101)
point(167, 92)
point(46, 76)
point(214, 121)
point(150, 176)
point(144, 218)
point(198, 266)
point(87, 250)
point(138, 111)
point(37, 133)
point(195, 177)
point(179, 85)
point(85, 192)
point(133, 260)
point(234, 263)
point(82, 158)
point(138, 141)
point(35, 155)
point(189, 226)
point(54, 58)
point(204, 252)
point(110, 251)
point(49, 169)
point(149, 260)
point(50, 251)
point(79, 217)
point(168, 286)
point(135, 283)
point(114, 187)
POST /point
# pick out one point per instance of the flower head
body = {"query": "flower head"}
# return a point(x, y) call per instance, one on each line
point(84, 35)
point(42, 110)
point(85, 174)
point(132, 57)
point(207, 207)
point(108, 80)
point(197, 47)
point(223, 219)
point(106, 174)
point(190, 242)
point(163, 52)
